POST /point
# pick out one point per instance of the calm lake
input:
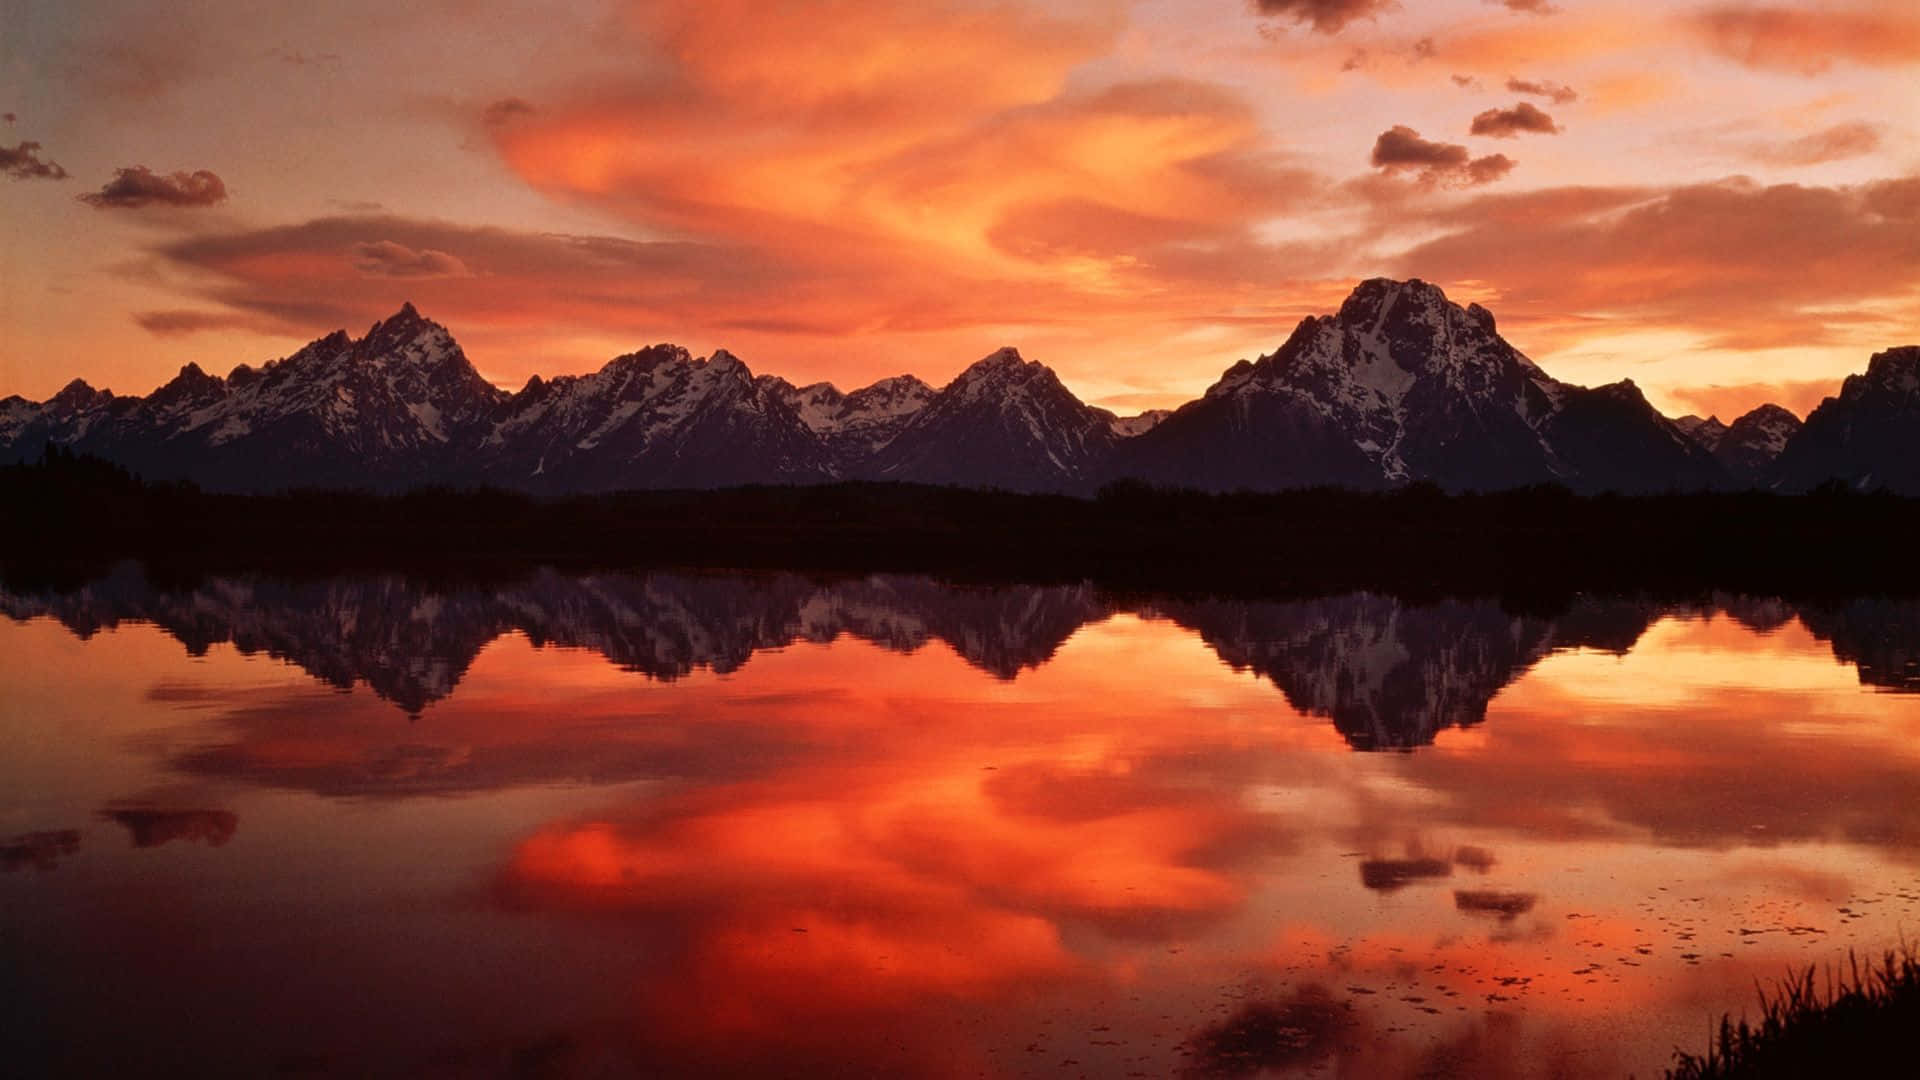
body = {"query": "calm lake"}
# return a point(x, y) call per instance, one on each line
point(775, 826)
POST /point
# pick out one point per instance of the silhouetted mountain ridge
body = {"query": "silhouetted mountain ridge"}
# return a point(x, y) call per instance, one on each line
point(1400, 386)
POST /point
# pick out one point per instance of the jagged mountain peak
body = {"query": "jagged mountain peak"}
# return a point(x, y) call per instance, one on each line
point(1004, 371)
point(724, 361)
point(1005, 360)
point(407, 337)
point(405, 320)
point(1377, 299)
point(1623, 390)
point(78, 394)
point(1004, 422)
point(1892, 371)
point(1751, 445)
point(1403, 385)
point(190, 384)
point(650, 357)
point(1769, 414)
point(1707, 431)
point(1482, 318)
point(1138, 424)
point(894, 385)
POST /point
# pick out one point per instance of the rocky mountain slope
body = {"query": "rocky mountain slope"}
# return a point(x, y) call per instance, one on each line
point(1401, 386)
point(1866, 438)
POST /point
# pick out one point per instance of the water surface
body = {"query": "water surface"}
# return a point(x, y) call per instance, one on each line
point(673, 825)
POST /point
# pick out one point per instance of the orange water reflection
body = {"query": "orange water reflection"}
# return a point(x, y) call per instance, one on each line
point(927, 848)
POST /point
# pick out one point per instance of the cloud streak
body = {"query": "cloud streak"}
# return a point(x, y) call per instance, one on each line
point(1552, 91)
point(1837, 143)
point(1805, 42)
point(384, 258)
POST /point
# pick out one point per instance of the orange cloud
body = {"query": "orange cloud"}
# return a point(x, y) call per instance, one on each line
point(1401, 149)
point(1881, 33)
point(1729, 401)
point(1508, 123)
point(1837, 143)
point(1747, 265)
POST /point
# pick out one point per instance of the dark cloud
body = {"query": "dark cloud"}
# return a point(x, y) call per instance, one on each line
point(1423, 49)
point(1401, 149)
point(504, 110)
point(152, 828)
point(1552, 91)
point(38, 850)
point(136, 186)
point(1466, 82)
point(1836, 143)
point(1530, 7)
point(1326, 16)
point(384, 258)
point(23, 162)
point(8, 117)
point(1509, 123)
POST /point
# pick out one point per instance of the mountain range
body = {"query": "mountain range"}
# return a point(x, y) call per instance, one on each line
point(1400, 386)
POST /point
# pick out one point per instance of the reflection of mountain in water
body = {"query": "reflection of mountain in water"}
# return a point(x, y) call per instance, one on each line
point(1877, 634)
point(411, 645)
point(1393, 675)
point(1388, 674)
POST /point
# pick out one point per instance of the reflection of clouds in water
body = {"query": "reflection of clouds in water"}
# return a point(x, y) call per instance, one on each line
point(1386, 875)
point(38, 850)
point(1304, 1029)
point(1505, 906)
point(849, 841)
point(152, 827)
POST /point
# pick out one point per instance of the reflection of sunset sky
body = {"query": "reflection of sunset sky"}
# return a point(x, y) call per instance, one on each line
point(843, 853)
point(1138, 193)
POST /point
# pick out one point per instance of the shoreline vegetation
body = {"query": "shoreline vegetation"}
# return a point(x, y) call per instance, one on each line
point(1854, 1021)
point(68, 515)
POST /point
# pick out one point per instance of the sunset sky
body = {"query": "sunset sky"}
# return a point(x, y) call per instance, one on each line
point(1719, 200)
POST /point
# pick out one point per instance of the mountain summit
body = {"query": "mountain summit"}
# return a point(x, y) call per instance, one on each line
point(1004, 422)
point(1403, 385)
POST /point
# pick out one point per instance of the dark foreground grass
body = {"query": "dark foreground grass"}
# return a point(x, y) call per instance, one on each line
point(1852, 1022)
